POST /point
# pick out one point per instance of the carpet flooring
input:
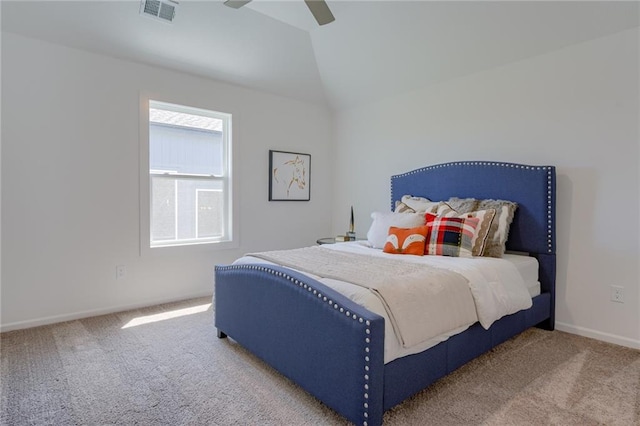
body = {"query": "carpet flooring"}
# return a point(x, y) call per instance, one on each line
point(164, 365)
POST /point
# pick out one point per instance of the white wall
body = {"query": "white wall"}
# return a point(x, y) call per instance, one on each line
point(70, 181)
point(576, 108)
point(70, 172)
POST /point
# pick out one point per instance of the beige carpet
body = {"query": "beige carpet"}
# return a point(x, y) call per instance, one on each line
point(175, 371)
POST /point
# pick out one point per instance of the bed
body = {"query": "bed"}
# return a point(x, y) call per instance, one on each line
point(334, 348)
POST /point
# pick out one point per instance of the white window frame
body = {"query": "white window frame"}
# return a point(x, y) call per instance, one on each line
point(231, 237)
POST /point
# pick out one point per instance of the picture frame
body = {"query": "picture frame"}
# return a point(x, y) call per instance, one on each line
point(289, 176)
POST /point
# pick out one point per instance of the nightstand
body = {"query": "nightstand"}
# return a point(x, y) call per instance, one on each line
point(331, 240)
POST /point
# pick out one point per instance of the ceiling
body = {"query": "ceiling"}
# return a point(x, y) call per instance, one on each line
point(373, 50)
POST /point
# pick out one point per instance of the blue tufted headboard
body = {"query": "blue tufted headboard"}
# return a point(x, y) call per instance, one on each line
point(532, 187)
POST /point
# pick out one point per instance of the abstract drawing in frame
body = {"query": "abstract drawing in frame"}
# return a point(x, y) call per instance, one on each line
point(289, 176)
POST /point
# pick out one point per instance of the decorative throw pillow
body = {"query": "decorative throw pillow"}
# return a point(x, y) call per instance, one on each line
point(409, 204)
point(499, 230)
point(450, 236)
point(463, 205)
point(406, 240)
point(479, 240)
point(403, 208)
point(379, 229)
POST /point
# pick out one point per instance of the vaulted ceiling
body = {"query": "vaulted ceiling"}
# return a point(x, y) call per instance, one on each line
point(374, 49)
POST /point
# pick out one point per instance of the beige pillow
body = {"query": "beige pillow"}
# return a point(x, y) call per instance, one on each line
point(409, 204)
point(481, 234)
point(499, 231)
point(403, 208)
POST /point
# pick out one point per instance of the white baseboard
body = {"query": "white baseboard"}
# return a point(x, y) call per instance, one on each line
point(598, 335)
point(95, 312)
point(568, 328)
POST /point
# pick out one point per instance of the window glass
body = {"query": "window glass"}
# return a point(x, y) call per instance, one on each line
point(188, 172)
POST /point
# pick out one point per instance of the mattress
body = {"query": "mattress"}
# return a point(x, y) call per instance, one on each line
point(524, 266)
point(527, 266)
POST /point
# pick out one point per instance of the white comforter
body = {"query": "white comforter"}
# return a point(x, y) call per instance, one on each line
point(495, 284)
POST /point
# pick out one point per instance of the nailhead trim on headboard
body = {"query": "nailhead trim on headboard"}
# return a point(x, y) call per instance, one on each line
point(549, 210)
point(496, 164)
point(336, 306)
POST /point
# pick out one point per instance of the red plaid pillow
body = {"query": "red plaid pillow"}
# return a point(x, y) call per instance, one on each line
point(481, 236)
point(450, 236)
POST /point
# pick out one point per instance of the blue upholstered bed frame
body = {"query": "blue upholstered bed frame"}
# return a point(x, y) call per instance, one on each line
point(333, 348)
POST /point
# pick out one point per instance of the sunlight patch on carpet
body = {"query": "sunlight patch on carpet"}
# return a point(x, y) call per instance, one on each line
point(616, 400)
point(167, 315)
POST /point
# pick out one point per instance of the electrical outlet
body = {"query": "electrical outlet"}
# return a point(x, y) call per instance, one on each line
point(617, 294)
point(121, 271)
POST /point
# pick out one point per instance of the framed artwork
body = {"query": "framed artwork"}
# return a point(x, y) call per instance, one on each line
point(289, 176)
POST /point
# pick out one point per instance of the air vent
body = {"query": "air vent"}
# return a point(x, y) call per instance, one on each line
point(164, 10)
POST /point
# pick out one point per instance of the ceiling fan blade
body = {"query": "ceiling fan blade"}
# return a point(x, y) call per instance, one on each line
point(320, 11)
point(236, 4)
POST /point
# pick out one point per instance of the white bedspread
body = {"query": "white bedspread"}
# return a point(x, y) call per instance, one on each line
point(421, 301)
point(496, 286)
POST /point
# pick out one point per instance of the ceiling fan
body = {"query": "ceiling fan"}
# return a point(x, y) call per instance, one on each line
point(318, 8)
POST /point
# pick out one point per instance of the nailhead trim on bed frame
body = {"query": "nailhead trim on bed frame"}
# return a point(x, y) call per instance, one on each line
point(493, 164)
point(330, 302)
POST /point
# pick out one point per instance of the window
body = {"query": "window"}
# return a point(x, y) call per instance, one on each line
point(189, 179)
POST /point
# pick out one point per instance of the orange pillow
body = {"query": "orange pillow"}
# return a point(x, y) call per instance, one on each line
point(406, 240)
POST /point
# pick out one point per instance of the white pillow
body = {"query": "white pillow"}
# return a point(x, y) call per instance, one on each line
point(379, 230)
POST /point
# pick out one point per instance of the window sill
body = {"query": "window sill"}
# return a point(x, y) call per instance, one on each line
point(187, 248)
